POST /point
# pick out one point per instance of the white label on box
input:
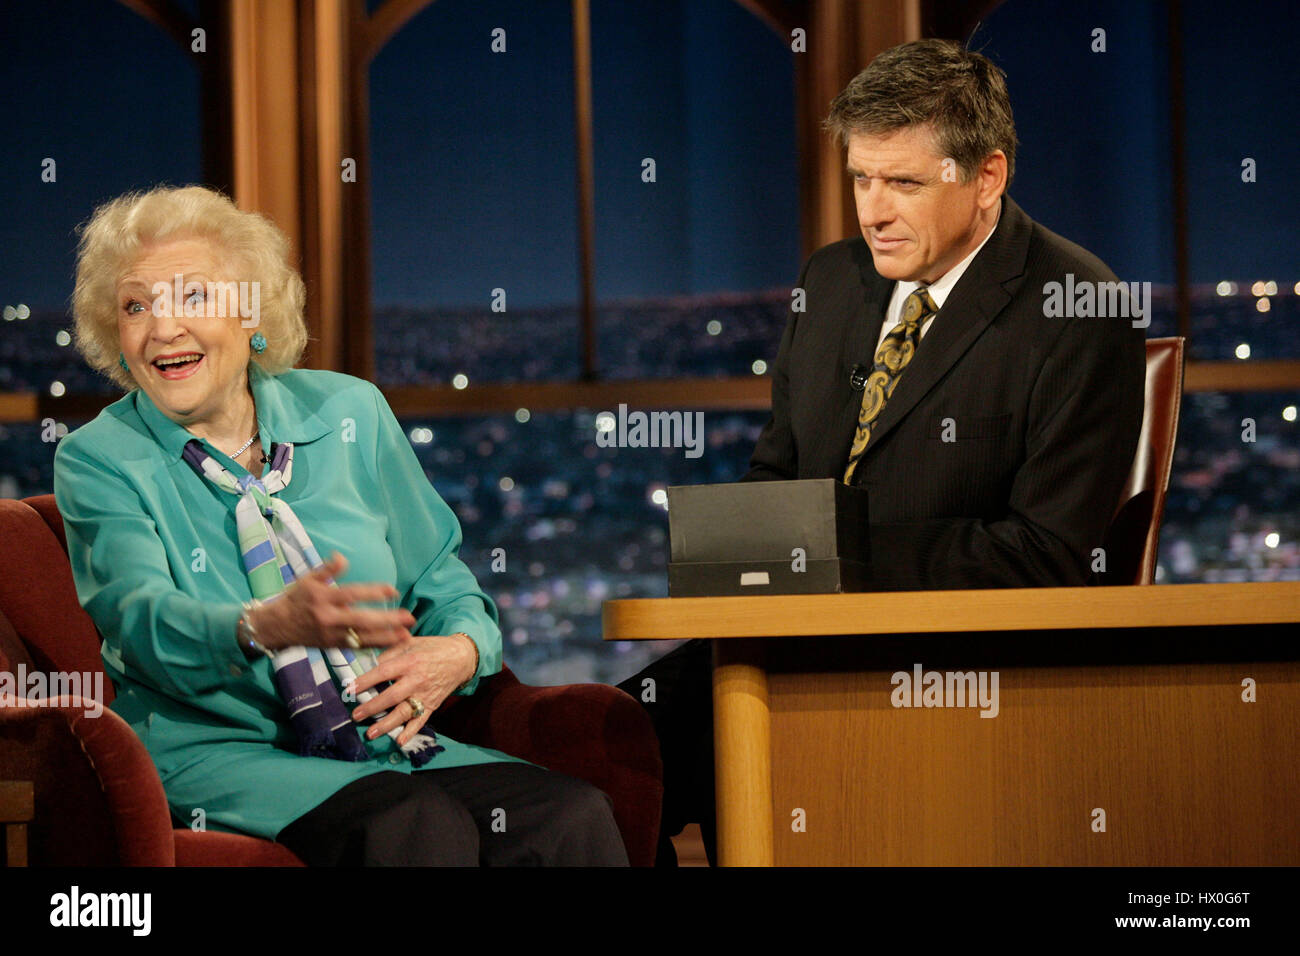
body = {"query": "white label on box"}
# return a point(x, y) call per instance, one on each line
point(750, 578)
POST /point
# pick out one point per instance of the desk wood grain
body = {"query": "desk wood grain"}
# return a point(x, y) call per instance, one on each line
point(906, 612)
point(1158, 727)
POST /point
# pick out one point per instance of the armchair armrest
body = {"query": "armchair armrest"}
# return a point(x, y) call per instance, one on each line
point(211, 848)
point(98, 798)
point(591, 731)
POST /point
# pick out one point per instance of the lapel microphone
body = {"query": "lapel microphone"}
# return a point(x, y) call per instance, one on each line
point(858, 377)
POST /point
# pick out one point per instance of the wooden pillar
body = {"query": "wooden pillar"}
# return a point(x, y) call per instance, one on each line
point(333, 209)
point(843, 37)
point(298, 110)
point(586, 186)
point(742, 754)
point(264, 111)
point(353, 251)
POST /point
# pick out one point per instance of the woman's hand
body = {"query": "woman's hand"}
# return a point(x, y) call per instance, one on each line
point(312, 612)
point(429, 669)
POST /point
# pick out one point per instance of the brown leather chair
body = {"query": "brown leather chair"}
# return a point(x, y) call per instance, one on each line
point(98, 799)
point(1133, 539)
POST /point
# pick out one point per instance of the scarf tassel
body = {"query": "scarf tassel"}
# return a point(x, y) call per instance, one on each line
point(422, 748)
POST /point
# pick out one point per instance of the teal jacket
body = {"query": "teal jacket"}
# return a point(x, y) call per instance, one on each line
point(156, 564)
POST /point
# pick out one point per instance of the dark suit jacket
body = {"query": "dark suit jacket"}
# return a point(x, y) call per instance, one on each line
point(1046, 413)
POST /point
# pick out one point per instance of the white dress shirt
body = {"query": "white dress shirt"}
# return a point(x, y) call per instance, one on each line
point(939, 290)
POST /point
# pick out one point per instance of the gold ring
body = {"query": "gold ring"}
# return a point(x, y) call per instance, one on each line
point(417, 706)
point(352, 640)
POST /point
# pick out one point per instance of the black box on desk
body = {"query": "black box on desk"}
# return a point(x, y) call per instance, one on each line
point(741, 538)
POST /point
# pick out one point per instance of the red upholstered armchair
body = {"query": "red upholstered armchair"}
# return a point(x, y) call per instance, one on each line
point(98, 799)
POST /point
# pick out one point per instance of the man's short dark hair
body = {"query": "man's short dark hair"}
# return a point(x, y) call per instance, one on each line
point(938, 83)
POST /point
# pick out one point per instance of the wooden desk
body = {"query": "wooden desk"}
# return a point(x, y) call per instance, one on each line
point(1118, 707)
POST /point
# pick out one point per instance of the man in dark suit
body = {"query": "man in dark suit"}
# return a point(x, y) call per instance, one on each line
point(926, 365)
point(999, 456)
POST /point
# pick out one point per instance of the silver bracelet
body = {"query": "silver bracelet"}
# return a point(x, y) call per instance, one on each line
point(246, 633)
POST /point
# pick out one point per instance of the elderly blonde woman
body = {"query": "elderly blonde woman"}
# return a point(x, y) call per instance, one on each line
point(274, 697)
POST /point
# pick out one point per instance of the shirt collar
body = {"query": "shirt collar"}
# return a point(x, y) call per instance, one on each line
point(281, 416)
point(940, 288)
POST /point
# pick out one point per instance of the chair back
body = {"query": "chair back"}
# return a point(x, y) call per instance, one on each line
point(1133, 539)
point(37, 593)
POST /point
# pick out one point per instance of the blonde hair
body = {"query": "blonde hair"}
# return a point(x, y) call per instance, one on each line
point(122, 229)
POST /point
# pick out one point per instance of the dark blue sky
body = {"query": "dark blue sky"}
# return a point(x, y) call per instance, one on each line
point(112, 100)
point(473, 156)
point(1094, 161)
point(1093, 127)
point(474, 164)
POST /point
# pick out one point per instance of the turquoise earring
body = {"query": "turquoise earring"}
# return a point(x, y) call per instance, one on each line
point(121, 360)
point(258, 343)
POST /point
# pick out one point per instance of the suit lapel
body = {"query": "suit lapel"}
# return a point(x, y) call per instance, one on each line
point(982, 292)
point(858, 347)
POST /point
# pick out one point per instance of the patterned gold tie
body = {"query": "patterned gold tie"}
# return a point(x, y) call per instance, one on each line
point(896, 350)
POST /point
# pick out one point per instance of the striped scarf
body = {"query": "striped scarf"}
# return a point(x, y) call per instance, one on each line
point(276, 552)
